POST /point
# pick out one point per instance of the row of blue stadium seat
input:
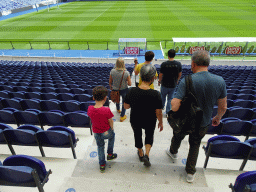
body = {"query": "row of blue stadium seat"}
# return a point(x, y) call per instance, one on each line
point(42, 118)
point(234, 127)
point(47, 105)
point(30, 135)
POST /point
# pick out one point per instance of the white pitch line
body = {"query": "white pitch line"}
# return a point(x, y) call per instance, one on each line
point(161, 48)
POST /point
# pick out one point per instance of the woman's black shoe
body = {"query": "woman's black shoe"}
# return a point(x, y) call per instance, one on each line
point(141, 158)
point(146, 161)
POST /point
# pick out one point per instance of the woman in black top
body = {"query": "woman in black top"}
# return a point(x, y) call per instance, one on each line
point(146, 107)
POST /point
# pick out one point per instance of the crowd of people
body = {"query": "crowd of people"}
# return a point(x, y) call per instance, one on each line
point(147, 104)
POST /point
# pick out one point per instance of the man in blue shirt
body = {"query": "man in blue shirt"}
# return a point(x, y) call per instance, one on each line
point(209, 89)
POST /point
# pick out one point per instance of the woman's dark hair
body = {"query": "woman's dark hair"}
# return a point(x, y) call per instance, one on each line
point(171, 53)
point(147, 72)
point(99, 92)
point(149, 55)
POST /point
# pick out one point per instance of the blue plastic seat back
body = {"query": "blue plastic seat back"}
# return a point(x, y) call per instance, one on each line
point(253, 143)
point(51, 118)
point(26, 117)
point(48, 96)
point(66, 129)
point(221, 138)
point(241, 113)
point(6, 116)
point(18, 175)
point(214, 129)
point(24, 160)
point(3, 127)
point(65, 96)
point(53, 138)
point(234, 127)
point(84, 105)
point(30, 127)
point(244, 179)
point(49, 105)
point(244, 103)
point(77, 119)
point(13, 103)
point(70, 106)
point(30, 104)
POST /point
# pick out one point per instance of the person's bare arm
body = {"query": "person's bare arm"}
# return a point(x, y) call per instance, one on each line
point(160, 78)
point(111, 123)
point(179, 76)
point(175, 104)
point(126, 106)
point(129, 80)
point(222, 107)
point(159, 115)
point(110, 82)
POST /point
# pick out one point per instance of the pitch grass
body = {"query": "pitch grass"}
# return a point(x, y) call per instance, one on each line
point(97, 22)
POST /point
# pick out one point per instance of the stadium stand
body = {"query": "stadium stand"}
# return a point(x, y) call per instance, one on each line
point(10, 4)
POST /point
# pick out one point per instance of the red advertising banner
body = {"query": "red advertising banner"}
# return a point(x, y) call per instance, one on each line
point(194, 49)
point(132, 50)
point(233, 50)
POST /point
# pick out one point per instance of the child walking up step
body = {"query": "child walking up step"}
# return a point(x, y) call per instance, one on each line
point(102, 125)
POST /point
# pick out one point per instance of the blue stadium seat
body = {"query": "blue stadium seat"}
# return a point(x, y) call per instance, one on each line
point(49, 105)
point(253, 143)
point(23, 135)
point(78, 120)
point(65, 96)
point(22, 170)
point(26, 117)
point(225, 146)
point(51, 118)
point(242, 180)
point(12, 103)
point(2, 128)
point(58, 136)
point(30, 104)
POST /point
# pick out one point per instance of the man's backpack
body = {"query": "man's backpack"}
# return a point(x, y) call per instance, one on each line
point(190, 115)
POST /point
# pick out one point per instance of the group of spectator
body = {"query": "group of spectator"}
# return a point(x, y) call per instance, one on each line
point(147, 104)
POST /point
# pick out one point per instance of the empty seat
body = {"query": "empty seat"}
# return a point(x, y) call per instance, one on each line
point(51, 118)
point(253, 143)
point(241, 113)
point(58, 136)
point(65, 96)
point(22, 170)
point(70, 106)
point(47, 105)
point(225, 146)
point(78, 120)
point(26, 117)
point(247, 178)
point(48, 96)
point(2, 128)
point(12, 103)
point(23, 135)
point(30, 104)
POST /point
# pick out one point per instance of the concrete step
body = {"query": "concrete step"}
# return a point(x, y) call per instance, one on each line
point(81, 184)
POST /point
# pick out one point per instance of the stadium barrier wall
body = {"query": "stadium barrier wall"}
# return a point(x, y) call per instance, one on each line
point(113, 60)
point(0, 14)
point(22, 9)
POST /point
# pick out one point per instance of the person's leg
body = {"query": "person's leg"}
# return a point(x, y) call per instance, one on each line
point(169, 99)
point(110, 135)
point(163, 95)
point(101, 144)
point(137, 137)
point(149, 138)
point(123, 94)
point(176, 141)
point(194, 144)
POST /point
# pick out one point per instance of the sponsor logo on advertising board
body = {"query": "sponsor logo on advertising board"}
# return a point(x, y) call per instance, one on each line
point(194, 49)
point(132, 50)
point(233, 50)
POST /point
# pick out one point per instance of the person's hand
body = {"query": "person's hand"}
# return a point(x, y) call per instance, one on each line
point(159, 83)
point(215, 121)
point(160, 126)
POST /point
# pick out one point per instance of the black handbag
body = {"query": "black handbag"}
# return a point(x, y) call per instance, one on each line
point(190, 115)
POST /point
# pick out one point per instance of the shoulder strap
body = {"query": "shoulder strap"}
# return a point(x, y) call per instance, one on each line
point(121, 81)
point(190, 87)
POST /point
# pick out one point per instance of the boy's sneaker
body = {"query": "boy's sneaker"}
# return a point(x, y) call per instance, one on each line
point(146, 161)
point(173, 156)
point(102, 168)
point(112, 157)
point(123, 118)
point(190, 178)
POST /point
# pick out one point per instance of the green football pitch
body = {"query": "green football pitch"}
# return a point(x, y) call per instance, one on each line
point(94, 23)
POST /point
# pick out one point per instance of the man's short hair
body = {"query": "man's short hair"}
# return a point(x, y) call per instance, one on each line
point(201, 58)
point(99, 92)
point(171, 53)
point(149, 55)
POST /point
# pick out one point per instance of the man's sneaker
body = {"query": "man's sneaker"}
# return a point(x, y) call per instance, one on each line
point(190, 178)
point(102, 168)
point(173, 156)
point(146, 161)
point(112, 157)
